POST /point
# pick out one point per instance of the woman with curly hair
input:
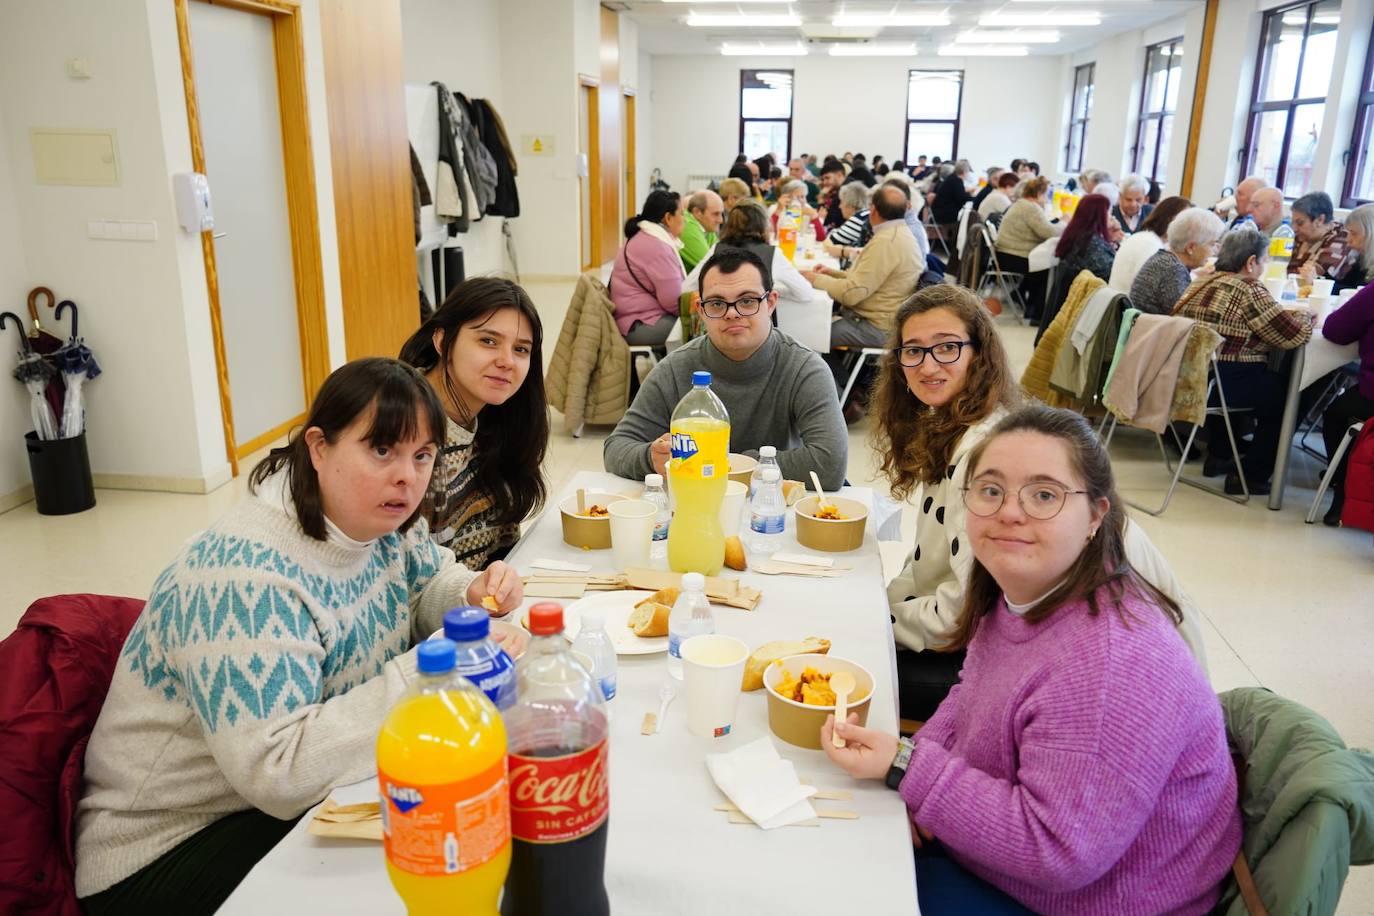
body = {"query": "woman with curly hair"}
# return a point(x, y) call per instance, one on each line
point(945, 386)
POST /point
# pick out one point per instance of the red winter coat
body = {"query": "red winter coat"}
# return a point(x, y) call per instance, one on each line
point(1358, 511)
point(55, 670)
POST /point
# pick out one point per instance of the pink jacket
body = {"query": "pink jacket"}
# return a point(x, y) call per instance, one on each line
point(651, 290)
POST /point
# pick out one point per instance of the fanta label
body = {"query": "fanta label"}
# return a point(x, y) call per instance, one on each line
point(556, 799)
point(447, 828)
point(684, 446)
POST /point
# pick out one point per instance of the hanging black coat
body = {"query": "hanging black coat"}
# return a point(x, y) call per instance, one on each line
point(493, 134)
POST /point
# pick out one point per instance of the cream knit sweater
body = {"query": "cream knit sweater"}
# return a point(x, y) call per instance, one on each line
point(256, 677)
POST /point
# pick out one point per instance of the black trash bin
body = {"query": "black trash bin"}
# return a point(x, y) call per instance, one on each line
point(61, 471)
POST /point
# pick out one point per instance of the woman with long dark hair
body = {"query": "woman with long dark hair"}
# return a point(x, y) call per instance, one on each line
point(257, 675)
point(647, 275)
point(482, 351)
point(1085, 245)
point(1081, 765)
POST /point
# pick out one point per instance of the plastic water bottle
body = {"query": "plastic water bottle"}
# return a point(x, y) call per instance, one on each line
point(768, 458)
point(654, 493)
point(593, 642)
point(691, 616)
point(478, 658)
point(1288, 294)
point(767, 514)
point(1280, 250)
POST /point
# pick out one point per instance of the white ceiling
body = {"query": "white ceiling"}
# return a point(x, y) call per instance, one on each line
point(663, 28)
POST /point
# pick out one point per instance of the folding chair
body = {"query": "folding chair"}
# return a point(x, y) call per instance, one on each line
point(1011, 291)
point(1343, 378)
point(1110, 423)
point(860, 360)
point(1335, 462)
point(928, 220)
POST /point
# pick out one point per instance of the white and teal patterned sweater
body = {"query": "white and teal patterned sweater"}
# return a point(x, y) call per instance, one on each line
point(256, 677)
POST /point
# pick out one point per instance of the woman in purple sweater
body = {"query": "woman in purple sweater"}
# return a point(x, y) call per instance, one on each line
point(1081, 764)
point(646, 279)
point(1351, 323)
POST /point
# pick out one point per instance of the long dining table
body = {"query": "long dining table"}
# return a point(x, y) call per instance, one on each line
point(670, 851)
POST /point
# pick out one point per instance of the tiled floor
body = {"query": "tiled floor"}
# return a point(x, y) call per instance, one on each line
point(1288, 606)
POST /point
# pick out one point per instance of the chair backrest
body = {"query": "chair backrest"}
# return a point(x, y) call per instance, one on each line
point(55, 670)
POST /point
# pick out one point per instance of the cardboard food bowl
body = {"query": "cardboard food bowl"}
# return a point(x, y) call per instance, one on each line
point(831, 535)
point(582, 531)
point(742, 468)
point(798, 723)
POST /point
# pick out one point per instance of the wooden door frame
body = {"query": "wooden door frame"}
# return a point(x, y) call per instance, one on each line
point(630, 114)
point(593, 87)
point(301, 203)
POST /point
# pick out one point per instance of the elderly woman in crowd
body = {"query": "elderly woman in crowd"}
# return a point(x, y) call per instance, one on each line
point(1357, 267)
point(1351, 323)
point(1025, 226)
point(1321, 239)
point(1234, 302)
point(1136, 249)
point(998, 200)
point(845, 241)
point(732, 191)
point(1089, 179)
point(1194, 236)
point(647, 275)
point(793, 191)
point(1131, 210)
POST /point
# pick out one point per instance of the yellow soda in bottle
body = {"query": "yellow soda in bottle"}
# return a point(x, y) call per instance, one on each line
point(699, 469)
point(441, 769)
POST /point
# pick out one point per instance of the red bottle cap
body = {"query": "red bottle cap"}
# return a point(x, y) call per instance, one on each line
point(546, 619)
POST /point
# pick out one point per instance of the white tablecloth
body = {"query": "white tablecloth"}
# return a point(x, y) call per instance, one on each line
point(1042, 256)
point(1323, 356)
point(668, 851)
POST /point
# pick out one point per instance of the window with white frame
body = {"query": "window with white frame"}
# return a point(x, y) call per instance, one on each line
point(1081, 109)
point(1158, 100)
point(765, 109)
point(933, 102)
point(1359, 178)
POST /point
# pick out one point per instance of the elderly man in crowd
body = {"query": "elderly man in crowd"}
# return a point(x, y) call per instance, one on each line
point(1322, 243)
point(1244, 193)
point(951, 195)
point(883, 275)
point(1130, 210)
point(705, 210)
point(913, 219)
point(778, 392)
point(1266, 208)
point(1194, 236)
point(796, 169)
point(1089, 179)
point(994, 172)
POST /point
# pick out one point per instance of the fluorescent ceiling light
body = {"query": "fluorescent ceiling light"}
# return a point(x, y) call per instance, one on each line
point(982, 51)
point(727, 1)
point(1018, 36)
point(744, 20)
point(736, 49)
point(874, 50)
point(1036, 20)
point(860, 20)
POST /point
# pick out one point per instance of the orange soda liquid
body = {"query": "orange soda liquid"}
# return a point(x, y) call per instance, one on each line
point(441, 767)
point(787, 242)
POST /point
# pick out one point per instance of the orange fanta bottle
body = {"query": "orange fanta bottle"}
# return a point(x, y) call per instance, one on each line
point(441, 768)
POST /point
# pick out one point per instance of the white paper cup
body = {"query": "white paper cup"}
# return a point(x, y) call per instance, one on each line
point(732, 507)
point(632, 530)
point(1322, 288)
point(712, 671)
point(1274, 285)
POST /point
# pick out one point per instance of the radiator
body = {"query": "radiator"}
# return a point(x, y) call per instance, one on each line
point(696, 182)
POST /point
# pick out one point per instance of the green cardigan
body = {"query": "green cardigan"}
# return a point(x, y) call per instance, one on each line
point(696, 241)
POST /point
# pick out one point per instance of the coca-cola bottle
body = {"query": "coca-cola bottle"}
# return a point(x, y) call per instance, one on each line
point(559, 799)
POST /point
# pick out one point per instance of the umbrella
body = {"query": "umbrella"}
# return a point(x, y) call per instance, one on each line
point(43, 342)
point(78, 364)
point(35, 373)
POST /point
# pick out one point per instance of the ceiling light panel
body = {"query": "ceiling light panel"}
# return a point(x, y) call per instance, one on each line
point(1040, 20)
point(983, 51)
point(745, 20)
point(738, 49)
point(883, 20)
point(1013, 37)
point(874, 50)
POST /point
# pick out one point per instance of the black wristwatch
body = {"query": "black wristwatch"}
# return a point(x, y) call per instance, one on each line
point(897, 771)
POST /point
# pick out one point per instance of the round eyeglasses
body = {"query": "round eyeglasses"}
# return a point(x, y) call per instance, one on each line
point(1041, 500)
point(743, 306)
point(944, 352)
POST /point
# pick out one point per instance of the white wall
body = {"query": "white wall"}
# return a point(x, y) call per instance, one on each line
point(154, 415)
point(14, 285)
point(856, 104)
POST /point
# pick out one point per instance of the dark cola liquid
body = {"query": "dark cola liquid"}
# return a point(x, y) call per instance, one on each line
point(558, 879)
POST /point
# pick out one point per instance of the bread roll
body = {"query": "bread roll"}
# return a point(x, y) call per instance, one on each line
point(793, 490)
point(734, 553)
point(650, 619)
point(769, 652)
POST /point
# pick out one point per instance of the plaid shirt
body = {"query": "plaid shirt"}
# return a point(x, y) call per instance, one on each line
point(1325, 255)
point(1250, 322)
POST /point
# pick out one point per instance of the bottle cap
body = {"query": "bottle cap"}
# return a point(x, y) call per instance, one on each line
point(653, 480)
point(771, 473)
point(435, 656)
point(465, 624)
point(701, 377)
point(546, 619)
point(694, 582)
point(768, 451)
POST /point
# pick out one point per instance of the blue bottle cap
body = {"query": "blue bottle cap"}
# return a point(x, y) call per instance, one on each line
point(465, 624)
point(701, 377)
point(436, 656)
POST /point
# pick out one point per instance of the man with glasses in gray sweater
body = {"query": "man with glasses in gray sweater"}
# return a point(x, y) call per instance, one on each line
point(777, 391)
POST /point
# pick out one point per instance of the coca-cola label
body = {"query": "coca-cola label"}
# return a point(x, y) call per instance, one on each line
point(557, 799)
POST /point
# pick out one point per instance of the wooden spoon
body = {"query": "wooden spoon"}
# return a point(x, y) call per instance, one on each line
point(581, 501)
point(820, 495)
point(842, 682)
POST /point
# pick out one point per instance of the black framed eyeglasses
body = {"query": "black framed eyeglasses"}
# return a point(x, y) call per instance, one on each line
point(944, 352)
point(743, 306)
point(1041, 500)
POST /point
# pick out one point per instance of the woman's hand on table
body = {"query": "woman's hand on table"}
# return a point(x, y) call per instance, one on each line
point(501, 582)
point(868, 752)
point(1307, 272)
